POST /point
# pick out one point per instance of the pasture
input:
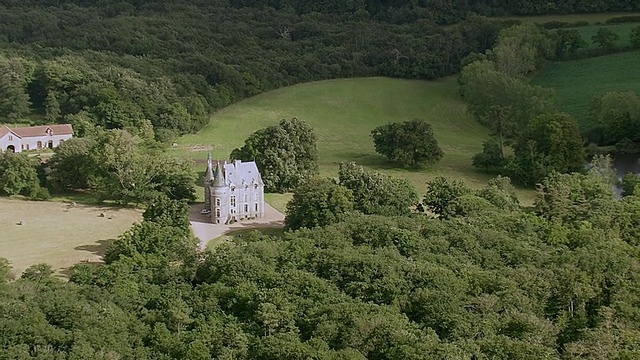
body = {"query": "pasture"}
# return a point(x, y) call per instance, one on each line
point(343, 113)
point(576, 82)
point(57, 233)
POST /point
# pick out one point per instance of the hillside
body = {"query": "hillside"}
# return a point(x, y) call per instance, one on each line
point(343, 113)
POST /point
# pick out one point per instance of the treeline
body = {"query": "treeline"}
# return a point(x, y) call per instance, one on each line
point(169, 64)
point(482, 280)
point(440, 11)
point(532, 138)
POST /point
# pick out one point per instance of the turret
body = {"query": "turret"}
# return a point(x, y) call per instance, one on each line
point(219, 178)
point(219, 198)
point(208, 179)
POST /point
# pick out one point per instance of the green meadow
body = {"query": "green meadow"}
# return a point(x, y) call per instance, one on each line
point(343, 113)
point(576, 82)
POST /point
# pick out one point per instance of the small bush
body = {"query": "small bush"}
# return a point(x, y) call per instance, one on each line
point(555, 24)
point(39, 193)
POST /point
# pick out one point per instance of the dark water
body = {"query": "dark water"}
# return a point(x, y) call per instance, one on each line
point(624, 164)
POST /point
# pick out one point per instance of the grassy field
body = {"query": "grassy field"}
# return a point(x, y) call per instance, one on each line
point(57, 234)
point(577, 82)
point(591, 18)
point(343, 113)
point(623, 30)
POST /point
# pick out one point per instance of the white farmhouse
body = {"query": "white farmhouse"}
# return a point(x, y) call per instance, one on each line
point(19, 139)
point(235, 192)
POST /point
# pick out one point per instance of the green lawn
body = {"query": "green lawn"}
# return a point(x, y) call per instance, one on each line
point(343, 113)
point(577, 82)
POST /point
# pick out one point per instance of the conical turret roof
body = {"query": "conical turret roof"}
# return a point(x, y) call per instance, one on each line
point(208, 176)
point(219, 179)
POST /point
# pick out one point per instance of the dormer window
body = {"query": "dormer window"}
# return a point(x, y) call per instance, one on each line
point(49, 132)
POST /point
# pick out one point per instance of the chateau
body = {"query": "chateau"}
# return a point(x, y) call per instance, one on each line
point(234, 193)
point(19, 139)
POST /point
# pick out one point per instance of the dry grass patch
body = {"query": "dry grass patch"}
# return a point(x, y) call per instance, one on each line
point(57, 233)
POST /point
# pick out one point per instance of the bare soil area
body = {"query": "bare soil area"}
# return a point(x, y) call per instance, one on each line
point(59, 234)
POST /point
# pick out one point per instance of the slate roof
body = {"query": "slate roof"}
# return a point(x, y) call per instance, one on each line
point(33, 131)
point(242, 173)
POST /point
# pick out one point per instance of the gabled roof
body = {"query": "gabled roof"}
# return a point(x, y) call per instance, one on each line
point(33, 131)
point(5, 130)
point(242, 173)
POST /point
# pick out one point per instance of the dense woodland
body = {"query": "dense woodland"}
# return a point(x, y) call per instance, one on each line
point(169, 64)
point(484, 279)
point(369, 267)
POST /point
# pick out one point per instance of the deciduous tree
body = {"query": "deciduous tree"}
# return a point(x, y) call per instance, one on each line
point(285, 154)
point(552, 142)
point(442, 194)
point(375, 193)
point(410, 143)
point(318, 202)
point(606, 39)
point(18, 174)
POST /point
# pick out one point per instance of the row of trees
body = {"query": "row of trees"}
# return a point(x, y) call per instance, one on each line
point(482, 279)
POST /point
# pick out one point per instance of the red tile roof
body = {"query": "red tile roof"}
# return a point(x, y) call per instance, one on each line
point(5, 130)
point(33, 131)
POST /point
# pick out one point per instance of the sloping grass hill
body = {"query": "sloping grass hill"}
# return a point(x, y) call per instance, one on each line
point(577, 82)
point(343, 113)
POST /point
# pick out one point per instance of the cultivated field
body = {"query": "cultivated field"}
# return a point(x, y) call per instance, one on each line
point(58, 234)
point(577, 82)
point(343, 113)
point(591, 18)
point(623, 30)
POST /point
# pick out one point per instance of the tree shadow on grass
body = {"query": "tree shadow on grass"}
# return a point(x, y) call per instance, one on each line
point(97, 248)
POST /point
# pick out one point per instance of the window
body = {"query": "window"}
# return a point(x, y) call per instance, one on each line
point(256, 206)
point(246, 208)
point(10, 137)
point(39, 145)
point(246, 197)
point(217, 212)
point(233, 200)
point(27, 146)
point(255, 197)
point(217, 201)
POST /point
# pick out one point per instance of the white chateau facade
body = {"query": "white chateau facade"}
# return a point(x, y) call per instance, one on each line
point(19, 139)
point(235, 192)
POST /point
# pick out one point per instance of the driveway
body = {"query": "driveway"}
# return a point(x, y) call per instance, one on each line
point(205, 231)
